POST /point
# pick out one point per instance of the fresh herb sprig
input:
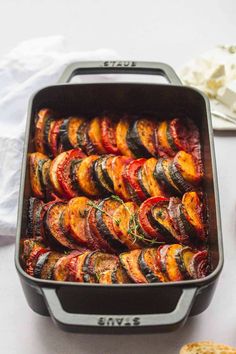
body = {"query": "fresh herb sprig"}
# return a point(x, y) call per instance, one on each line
point(133, 228)
point(95, 206)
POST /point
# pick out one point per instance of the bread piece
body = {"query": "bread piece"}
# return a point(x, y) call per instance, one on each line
point(207, 347)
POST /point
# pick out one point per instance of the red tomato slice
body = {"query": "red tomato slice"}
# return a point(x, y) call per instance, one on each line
point(130, 175)
point(144, 222)
point(54, 136)
point(108, 130)
point(63, 171)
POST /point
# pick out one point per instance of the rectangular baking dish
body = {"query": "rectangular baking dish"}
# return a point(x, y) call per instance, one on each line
point(127, 308)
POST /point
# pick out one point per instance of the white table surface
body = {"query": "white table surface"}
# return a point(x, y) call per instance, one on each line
point(171, 32)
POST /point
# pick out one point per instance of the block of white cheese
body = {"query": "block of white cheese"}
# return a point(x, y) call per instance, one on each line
point(227, 95)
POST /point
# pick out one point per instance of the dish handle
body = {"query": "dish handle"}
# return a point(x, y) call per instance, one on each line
point(119, 67)
point(161, 321)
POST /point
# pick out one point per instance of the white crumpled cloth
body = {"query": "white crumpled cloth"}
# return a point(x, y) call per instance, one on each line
point(27, 68)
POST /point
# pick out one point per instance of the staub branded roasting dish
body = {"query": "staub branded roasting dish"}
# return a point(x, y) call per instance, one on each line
point(126, 308)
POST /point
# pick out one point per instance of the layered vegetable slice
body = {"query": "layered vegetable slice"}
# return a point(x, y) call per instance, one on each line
point(84, 176)
point(160, 219)
point(153, 186)
point(94, 132)
point(199, 266)
point(61, 270)
point(45, 265)
point(101, 177)
point(54, 136)
point(130, 261)
point(105, 222)
point(108, 132)
point(130, 175)
point(35, 211)
point(149, 265)
point(121, 137)
point(68, 132)
point(120, 276)
point(124, 225)
point(37, 177)
point(165, 148)
point(162, 174)
point(141, 138)
point(75, 216)
point(184, 258)
point(143, 216)
point(95, 237)
point(63, 171)
point(82, 137)
point(191, 220)
point(54, 232)
point(118, 166)
point(97, 263)
point(188, 168)
point(172, 267)
point(42, 126)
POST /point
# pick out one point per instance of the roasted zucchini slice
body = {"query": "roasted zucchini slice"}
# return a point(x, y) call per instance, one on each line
point(141, 138)
point(98, 176)
point(35, 209)
point(108, 130)
point(105, 219)
point(123, 220)
point(45, 265)
point(121, 137)
point(84, 176)
point(149, 265)
point(106, 167)
point(95, 137)
point(63, 136)
point(178, 179)
point(130, 262)
point(144, 182)
point(172, 268)
point(162, 175)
